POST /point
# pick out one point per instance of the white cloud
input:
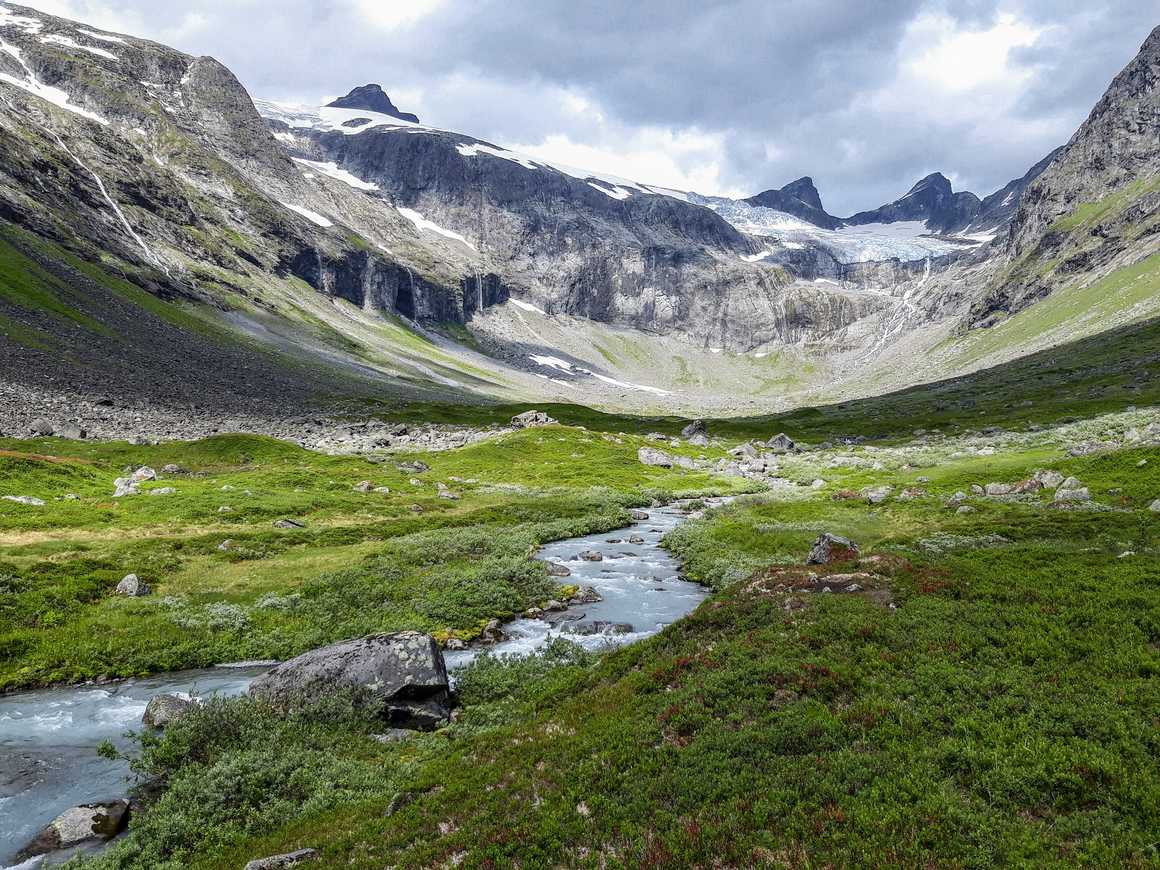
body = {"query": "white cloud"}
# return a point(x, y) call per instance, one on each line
point(683, 159)
point(394, 14)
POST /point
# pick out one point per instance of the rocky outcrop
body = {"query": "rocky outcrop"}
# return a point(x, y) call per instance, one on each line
point(799, 198)
point(830, 548)
point(531, 419)
point(932, 201)
point(399, 678)
point(279, 862)
point(165, 709)
point(1096, 207)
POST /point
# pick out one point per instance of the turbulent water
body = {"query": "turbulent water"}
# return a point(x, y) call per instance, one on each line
point(48, 737)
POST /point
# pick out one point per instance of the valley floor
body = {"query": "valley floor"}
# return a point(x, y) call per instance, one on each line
point(978, 687)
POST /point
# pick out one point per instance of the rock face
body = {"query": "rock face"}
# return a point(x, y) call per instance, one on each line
point(1111, 162)
point(782, 443)
point(831, 548)
point(398, 677)
point(82, 824)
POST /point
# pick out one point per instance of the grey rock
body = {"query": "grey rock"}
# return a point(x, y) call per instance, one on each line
point(363, 486)
point(393, 735)
point(592, 556)
point(162, 490)
point(638, 515)
point(697, 427)
point(1079, 493)
point(598, 626)
point(171, 468)
point(636, 539)
point(877, 494)
point(587, 595)
point(998, 489)
point(401, 678)
point(652, 456)
point(143, 473)
point(30, 500)
point(976, 489)
point(782, 443)
point(165, 709)
point(828, 548)
point(71, 431)
point(131, 586)
point(81, 824)
point(41, 426)
point(124, 486)
point(530, 419)
point(555, 569)
point(289, 524)
point(287, 859)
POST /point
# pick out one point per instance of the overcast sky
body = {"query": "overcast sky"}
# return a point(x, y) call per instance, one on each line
point(724, 98)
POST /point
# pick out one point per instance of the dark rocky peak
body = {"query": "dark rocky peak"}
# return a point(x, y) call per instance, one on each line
point(799, 198)
point(805, 190)
point(931, 200)
point(932, 188)
point(372, 98)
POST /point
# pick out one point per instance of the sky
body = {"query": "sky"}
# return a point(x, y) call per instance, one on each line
point(727, 98)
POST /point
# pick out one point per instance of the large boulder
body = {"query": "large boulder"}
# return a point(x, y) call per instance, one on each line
point(132, 586)
point(399, 677)
point(164, 709)
point(697, 427)
point(83, 824)
point(831, 548)
point(530, 419)
point(41, 426)
point(652, 456)
point(782, 443)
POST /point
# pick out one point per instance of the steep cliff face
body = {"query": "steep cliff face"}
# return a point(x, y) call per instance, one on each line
point(798, 198)
point(1096, 208)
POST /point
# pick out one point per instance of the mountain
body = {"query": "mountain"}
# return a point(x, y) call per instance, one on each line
point(798, 198)
point(931, 201)
point(148, 203)
point(373, 99)
point(998, 209)
point(1096, 207)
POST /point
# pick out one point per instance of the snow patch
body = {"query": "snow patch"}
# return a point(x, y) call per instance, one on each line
point(288, 138)
point(104, 37)
point(526, 306)
point(760, 255)
point(312, 216)
point(421, 223)
point(38, 88)
point(615, 193)
point(477, 148)
point(332, 170)
point(8, 18)
point(68, 42)
point(554, 362)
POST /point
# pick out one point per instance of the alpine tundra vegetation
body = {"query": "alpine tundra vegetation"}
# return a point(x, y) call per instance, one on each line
point(376, 495)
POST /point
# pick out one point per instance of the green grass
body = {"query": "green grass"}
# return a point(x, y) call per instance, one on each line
point(992, 703)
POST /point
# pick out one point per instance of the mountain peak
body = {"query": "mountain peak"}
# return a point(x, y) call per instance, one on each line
point(804, 190)
point(372, 98)
point(936, 181)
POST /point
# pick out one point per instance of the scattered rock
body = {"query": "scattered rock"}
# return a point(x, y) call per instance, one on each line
point(638, 515)
point(277, 862)
point(82, 824)
point(416, 466)
point(636, 539)
point(554, 606)
point(911, 493)
point(399, 677)
point(530, 419)
point(830, 548)
point(363, 486)
point(172, 469)
point(592, 556)
point(29, 500)
point(965, 509)
point(42, 427)
point(162, 490)
point(227, 544)
point(1155, 506)
point(587, 595)
point(555, 569)
point(71, 431)
point(131, 586)
point(877, 494)
point(166, 708)
point(998, 489)
point(955, 500)
point(393, 735)
point(289, 524)
point(977, 490)
point(697, 427)
point(124, 486)
point(143, 473)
